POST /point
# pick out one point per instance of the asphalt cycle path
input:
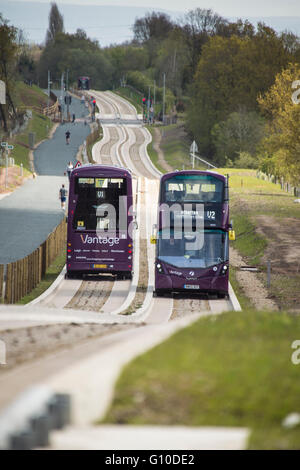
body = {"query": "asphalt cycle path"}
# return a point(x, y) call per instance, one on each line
point(53, 155)
point(30, 213)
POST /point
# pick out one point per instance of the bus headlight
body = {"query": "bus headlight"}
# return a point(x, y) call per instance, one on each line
point(159, 267)
point(224, 269)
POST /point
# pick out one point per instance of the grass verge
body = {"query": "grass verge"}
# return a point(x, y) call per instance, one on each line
point(25, 95)
point(153, 153)
point(51, 274)
point(266, 221)
point(175, 144)
point(244, 301)
point(233, 369)
point(131, 96)
point(97, 135)
point(41, 126)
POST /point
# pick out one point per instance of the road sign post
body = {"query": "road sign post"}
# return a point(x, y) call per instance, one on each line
point(6, 167)
point(2, 92)
point(7, 148)
point(193, 150)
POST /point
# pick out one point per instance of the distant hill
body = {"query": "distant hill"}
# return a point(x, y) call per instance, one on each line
point(107, 24)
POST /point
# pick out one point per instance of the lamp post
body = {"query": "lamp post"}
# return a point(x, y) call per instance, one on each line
point(164, 97)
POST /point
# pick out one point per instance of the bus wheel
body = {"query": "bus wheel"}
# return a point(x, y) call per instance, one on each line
point(220, 295)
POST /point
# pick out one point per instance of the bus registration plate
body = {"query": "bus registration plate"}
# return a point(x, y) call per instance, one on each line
point(100, 266)
point(191, 286)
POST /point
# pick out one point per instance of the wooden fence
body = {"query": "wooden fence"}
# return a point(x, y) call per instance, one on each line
point(45, 110)
point(21, 277)
point(285, 186)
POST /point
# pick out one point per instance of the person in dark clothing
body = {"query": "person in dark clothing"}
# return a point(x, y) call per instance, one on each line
point(68, 134)
point(63, 196)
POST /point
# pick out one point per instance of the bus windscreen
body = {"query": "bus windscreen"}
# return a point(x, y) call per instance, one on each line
point(94, 193)
point(178, 250)
point(193, 189)
point(84, 83)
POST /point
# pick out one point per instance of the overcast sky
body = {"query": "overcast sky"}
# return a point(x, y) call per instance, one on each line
point(223, 7)
point(108, 23)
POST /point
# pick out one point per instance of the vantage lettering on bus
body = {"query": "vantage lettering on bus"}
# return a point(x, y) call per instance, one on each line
point(102, 241)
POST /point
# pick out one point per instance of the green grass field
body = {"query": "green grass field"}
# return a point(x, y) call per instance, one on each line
point(251, 201)
point(233, 369)
point(251, 197)
point(40, 125)
point(175, 146)
point(25, 95)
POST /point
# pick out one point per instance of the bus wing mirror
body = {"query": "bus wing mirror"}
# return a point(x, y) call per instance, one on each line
point(153, 240)
point(232, 235)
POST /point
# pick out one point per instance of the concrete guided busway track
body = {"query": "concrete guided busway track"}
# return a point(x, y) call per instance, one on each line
point(124, 145)
point(102, 301)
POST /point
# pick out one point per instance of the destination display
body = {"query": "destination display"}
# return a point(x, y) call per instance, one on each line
point(207, 215)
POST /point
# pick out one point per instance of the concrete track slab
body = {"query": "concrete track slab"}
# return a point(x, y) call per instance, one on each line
point(108, 437)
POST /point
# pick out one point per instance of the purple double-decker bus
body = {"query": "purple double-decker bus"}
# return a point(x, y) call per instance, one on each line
point(192, 234)
point(100, 221)
point(84, 83)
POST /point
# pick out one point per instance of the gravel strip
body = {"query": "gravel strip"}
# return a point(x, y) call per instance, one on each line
point(251, 284)
point(26, 344)
point(92, 294)
point(186, 306)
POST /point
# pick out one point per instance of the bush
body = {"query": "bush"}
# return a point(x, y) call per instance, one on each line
point(246, 160)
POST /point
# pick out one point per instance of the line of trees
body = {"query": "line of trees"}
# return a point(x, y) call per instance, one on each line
point(8, 59)
point(224, 75)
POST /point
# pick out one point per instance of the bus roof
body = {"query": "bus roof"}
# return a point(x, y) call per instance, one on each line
point(101, 170)
point(193, 172)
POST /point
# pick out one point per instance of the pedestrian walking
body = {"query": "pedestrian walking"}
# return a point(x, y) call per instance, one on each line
point(69, 169)
point(68, 134)
point(73, 118)
point(63, 196)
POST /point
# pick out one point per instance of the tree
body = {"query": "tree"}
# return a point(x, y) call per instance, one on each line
point(281, 147)
point(230, 74)
point(239, 28)
point(8, 57)
point(124, 58)
point(240, 133)
point(56, 23)
point(198, 26)
point(172, 59)
point(77, 53)
point(150, 31)
point(153, 25)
